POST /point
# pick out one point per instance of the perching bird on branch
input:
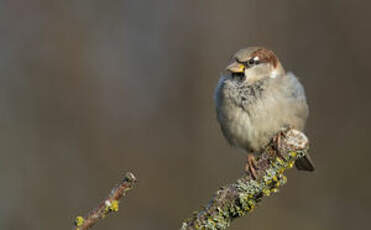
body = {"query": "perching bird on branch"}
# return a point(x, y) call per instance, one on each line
point(256, 99)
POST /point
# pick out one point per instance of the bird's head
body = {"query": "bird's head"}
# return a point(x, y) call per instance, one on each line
point(253, 64)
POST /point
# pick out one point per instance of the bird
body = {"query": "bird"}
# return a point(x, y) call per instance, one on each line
point(256, 99)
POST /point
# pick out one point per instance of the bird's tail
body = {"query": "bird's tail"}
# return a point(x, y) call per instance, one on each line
point(305, 163)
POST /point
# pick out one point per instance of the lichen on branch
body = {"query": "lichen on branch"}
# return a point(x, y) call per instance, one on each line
point(108, 205)
point(240, 198)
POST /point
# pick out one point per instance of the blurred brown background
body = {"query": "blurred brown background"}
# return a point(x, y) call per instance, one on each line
point(91, 89)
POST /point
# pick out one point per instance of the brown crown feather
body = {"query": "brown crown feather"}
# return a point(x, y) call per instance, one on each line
point(266, 55)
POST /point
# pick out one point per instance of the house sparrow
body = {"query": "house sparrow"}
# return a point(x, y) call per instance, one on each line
point(256, 99)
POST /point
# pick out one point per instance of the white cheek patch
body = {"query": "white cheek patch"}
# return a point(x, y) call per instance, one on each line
point(256, 58)
point(274, 74)
point(248, 72)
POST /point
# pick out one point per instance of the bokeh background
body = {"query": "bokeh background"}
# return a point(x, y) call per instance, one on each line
point(91, 89)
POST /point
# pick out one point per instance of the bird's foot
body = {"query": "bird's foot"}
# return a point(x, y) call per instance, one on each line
point(251, 166)
point(277, 141)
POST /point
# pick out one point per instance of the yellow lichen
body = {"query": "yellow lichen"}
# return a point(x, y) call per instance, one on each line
point(274, 190)
point(279, 160)
point(79, 220)
point(291, 164)
point(111, 206)
point(266, 191)
point(115, 206)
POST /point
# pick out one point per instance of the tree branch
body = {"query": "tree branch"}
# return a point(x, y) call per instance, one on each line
point(238, 199)
point(231, 201)
point(108, 205)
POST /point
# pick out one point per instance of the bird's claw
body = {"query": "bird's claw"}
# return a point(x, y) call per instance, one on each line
point(251, 166)
point(277, 143)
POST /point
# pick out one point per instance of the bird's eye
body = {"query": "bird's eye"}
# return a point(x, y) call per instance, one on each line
point(253, 61)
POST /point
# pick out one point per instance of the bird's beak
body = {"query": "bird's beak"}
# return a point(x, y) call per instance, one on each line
point(236, 67)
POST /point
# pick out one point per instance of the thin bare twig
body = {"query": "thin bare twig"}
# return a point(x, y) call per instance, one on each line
point(238, 199)
point(108, 205)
